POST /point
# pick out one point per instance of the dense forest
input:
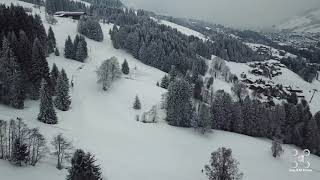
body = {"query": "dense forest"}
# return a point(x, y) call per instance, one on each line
point(23, 55)
point(53, 6)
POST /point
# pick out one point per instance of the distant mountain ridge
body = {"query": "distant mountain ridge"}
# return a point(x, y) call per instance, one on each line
point(308, 21)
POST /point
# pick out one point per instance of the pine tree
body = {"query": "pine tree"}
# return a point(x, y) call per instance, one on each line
point(62, 101)
point(51, 37)
point(83, 167)
point(223, 166)
point(50, 47)
point(165, 81)
point(68, 48)
point(85, 46)
point(197, 90)
point(47, 113)
point(179, 107)
point(80, 53)
point(56, 52)
point(54, 74)
point(11, 77)
point(137, 104)
point(20, 152)
point(276, 149)
point(24, 55)
point(125, 67)
point(76, 42)
point(39, 68)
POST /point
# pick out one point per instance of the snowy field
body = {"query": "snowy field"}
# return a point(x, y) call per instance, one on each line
point(104, 124)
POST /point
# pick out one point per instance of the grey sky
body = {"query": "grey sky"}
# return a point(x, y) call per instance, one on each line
point(239, 13)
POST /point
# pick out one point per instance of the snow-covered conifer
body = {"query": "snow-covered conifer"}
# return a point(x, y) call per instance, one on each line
point(47, 113)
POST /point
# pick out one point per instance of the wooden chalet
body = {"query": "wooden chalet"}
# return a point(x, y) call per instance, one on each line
point(69, 14)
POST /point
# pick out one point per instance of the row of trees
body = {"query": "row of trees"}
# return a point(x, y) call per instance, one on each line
point(77, 49)
point(53, 6)
point(291, 123)
point(58, 97)
point(159, 46)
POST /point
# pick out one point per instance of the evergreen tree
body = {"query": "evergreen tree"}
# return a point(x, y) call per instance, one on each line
point(39, 68)
point(41, 33)
point(56, 52)
point(80, 53)
point(20, 152)
point(51, 37)
point(197, 89)
point(165, 81)
point(83, 167)
point(137, 104)
point(276, 149)
point(54, 74)
point(62, 101)
point(76, 42)
point(50, 47)
point(125, 67)
point(47, 113)
point(179, 107)
point(11, 78)
point(223, 166)
point(68, 48)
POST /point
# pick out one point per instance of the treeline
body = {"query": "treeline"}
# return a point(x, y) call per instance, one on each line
point(53, 6)
point(23, 56)
point(105, 3)
point(161, 46)
point(300, 66)
point(291, 122)
point(157, 45)
point(36, 2)
point(222, 45)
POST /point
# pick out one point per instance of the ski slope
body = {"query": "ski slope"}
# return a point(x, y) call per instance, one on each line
point(182, 29)
point(104, 124)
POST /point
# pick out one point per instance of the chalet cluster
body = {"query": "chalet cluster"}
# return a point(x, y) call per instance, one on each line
point(267, 69)
point(271, 90)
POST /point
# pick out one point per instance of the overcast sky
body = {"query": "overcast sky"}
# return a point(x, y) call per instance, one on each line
point(237, 13)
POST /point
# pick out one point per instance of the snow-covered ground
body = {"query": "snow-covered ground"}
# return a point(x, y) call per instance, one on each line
point(104, 124)
point(182, 29)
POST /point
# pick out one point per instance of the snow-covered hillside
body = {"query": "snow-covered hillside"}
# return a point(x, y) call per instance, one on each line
point(104, 124)
point(307, 22)
point(287, 78)
point(182, 29)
